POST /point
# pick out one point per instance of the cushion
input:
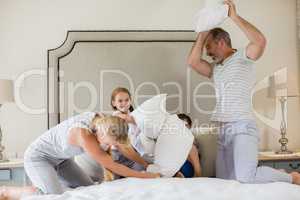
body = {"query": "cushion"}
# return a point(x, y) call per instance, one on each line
point(211, 16)
point(172, 147)
point(206, 142)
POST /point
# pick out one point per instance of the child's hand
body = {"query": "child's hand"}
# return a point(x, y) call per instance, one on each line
point(130, 119)
point(126, 117)
point(122, 116)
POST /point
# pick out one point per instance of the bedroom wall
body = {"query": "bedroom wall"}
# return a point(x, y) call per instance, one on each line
point(29, 28)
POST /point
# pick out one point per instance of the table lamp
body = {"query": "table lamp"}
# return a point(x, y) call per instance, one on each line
point(279, 90)
point(6, 95)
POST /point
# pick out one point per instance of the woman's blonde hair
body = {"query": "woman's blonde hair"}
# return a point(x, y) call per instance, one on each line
point(112, 126)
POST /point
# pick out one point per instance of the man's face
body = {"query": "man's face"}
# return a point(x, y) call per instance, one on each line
point(213, 49)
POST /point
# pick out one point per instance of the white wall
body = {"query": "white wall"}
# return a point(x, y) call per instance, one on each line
point(28, 28)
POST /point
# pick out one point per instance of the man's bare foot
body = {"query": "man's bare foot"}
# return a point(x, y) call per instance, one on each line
point(296, 177)
point(15, 193)
point(3, 193)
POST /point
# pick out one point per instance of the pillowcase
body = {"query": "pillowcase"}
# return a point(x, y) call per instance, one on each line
point(147, 145)
point(172, 147)
point(212, 16)
point(151, 115)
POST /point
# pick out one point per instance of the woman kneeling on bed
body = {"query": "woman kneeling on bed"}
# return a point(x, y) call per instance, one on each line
point(49, 159)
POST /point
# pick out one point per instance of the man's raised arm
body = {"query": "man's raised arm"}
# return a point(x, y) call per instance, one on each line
point(195, 58)
point(256, 47)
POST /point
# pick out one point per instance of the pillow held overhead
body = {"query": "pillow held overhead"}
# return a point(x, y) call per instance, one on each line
point(211, 16)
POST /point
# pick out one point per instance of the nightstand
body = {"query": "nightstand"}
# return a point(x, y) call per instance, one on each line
point(289, 163)
point(12, 173)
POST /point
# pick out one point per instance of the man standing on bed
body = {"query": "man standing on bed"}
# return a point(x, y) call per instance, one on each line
point(233, 74)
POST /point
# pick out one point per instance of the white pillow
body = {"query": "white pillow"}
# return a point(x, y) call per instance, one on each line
point(172, 147)
point(147, 144)
point(212, 16)
point(151, 115)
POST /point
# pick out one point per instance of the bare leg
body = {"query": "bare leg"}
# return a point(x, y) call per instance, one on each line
point(15, 193)
point(2, 194)
point(296, 177)
point(194, 159)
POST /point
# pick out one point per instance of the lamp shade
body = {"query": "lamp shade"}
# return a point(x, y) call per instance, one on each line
point(6, 91)
point(280, 83)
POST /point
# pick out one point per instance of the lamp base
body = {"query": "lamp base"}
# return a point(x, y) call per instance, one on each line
point(284, 152)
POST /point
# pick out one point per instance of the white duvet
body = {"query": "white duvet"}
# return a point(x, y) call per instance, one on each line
point(177, 189)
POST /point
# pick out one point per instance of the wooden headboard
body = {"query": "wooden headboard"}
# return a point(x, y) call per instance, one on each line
point(84, 70)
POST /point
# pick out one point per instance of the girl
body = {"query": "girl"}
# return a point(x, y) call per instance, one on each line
point(49, 159)
point(121, 103)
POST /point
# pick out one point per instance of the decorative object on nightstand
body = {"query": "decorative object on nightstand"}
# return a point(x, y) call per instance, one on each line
point(6, 95)
point(283, 126)
point(278, 90)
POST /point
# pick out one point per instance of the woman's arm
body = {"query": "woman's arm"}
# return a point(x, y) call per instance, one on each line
point(82, 137)
point(131, 154)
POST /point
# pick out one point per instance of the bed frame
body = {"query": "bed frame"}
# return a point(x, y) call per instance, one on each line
point(84, 69)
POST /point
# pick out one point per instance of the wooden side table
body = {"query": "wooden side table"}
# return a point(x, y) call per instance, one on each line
point(12, 173)
point(289, 163)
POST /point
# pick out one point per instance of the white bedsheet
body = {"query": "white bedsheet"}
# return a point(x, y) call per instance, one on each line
point(175, 189)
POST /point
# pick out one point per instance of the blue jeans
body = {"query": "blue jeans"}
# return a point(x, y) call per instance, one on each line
point(237, 155)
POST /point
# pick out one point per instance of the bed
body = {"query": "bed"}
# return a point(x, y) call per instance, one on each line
point(84, 70)
point(179, 189)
